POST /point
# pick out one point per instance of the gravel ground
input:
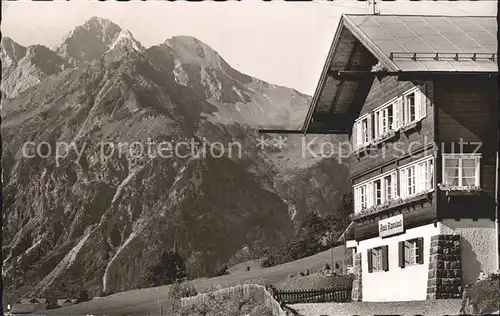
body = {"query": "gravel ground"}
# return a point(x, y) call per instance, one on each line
point(427, 308)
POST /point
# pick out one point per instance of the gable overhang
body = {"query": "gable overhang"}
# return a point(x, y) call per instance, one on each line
point(347, 77)
point(330, 111)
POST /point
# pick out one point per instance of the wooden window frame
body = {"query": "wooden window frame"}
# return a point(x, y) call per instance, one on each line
point(460, 157)
point(380, 113)
point(428, 164)
point(382, 256)
point(369, 187)
point(363, 136)
point(420, 100)
point(419, 258)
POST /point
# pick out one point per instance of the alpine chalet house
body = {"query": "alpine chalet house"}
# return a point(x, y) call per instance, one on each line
point(417, 96)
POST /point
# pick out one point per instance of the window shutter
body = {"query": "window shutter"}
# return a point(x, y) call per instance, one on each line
point(401, 249)
point(370, 261)
point(394, 181)
point(359, 132)
point(420, 177)
point(403, 180)
point(357, 200)
point(398, 113)
point(385, 258)
point(369, 194)
point(370, 127)
point(420, 250)
point(354, 135)
point(422, 104)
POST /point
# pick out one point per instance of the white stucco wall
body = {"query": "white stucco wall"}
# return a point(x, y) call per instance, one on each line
point(397, 284)
point(477, 245)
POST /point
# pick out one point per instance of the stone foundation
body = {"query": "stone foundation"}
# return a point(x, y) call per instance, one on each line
point(445, 271)
point(357, 286)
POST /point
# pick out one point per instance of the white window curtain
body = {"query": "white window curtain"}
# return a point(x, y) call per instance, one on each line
point(461, 171)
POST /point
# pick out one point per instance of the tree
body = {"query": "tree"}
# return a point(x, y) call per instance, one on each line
point(169, 269)
point(315, 234)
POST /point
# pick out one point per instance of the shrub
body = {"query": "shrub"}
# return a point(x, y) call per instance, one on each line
point(181, 289)
point(223, 305)
point(177, 291)
point(222, 271)
point(482, 296)
point(83, 296)
point(315, 234)
point(169, 269)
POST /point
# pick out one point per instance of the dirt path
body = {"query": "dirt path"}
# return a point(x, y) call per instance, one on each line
point(427, 308)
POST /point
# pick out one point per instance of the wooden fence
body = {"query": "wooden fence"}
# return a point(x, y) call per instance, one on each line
point(333, 294)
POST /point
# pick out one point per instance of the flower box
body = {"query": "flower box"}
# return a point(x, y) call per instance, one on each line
point(451, 190)
point(384, 137)
point(391, 204)
point(410, 126)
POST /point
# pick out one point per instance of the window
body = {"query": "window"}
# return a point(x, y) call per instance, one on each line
point(363, 197)
point(417, 177)
point(426, 180)
point(360, 198)
point(388, 194)
point(378, 259)
point(411, 180)
point(461, 170)
point(409, 109)
point(384, 119)
point(414, 106)
point(376, 191)
point(411, 252)
point(362, 131)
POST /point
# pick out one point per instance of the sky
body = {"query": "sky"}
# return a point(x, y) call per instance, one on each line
point(279, 42)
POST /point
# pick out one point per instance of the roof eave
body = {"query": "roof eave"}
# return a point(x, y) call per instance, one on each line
point(324, 75)
point(364, 40)
point(370, 45)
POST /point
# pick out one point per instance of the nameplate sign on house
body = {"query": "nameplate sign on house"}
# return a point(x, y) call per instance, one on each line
point(390, 226)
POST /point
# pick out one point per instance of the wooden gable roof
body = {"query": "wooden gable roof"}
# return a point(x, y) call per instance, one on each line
point(369, 46)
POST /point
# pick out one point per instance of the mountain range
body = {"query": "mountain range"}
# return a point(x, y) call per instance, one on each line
point(95, 220)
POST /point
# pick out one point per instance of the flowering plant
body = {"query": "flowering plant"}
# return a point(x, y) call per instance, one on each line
point(467, 188)
point(385, 136)
point(407, 126)
point(388, 204)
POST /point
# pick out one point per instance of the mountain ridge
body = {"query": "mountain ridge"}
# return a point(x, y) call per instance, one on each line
point(93, 222)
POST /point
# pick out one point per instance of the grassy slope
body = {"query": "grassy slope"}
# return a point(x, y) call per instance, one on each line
point(143, 301)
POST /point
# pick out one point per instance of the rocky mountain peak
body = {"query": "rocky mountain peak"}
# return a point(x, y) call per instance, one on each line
point(89, 41)
point(126, 39)
point(100, 23)
point(191, 50)
point(11, 51)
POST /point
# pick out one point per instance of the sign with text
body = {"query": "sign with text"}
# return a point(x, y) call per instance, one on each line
point(391, 226)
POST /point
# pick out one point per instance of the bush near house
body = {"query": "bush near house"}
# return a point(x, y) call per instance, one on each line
point(482, 297)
